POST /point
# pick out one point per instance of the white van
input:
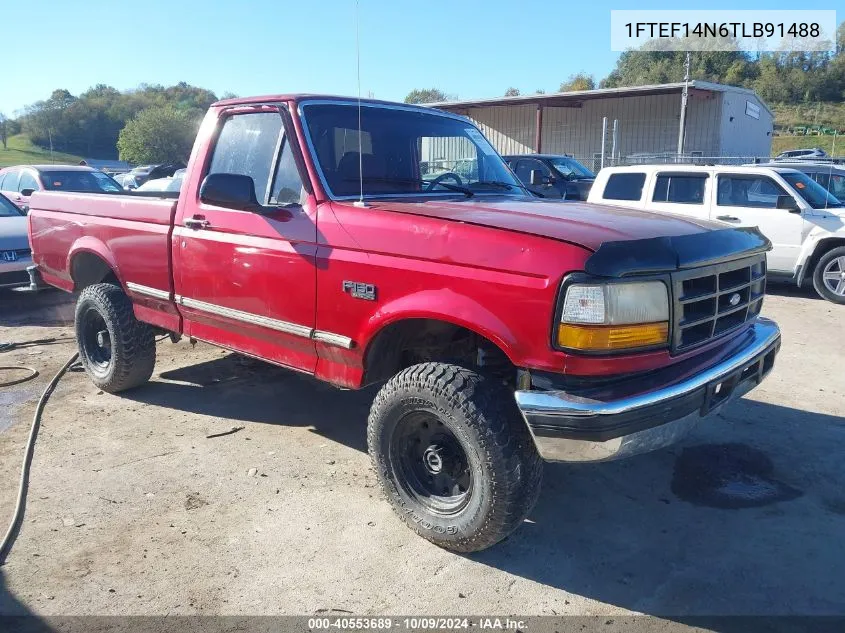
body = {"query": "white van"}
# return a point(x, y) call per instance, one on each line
point(803, 221)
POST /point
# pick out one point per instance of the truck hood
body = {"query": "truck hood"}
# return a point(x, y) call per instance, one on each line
point(13, 233)
point(587, 225)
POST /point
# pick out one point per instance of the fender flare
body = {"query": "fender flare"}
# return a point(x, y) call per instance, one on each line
point(442, 305)
point(94, 246)
point(812, 247)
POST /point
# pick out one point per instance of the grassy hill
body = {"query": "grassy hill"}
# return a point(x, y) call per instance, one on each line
point(21, 151)
point(830, 115)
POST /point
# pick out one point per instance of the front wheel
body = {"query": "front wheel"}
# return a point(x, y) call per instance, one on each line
point(453, 456)
point(829, 275)
point(116, 349)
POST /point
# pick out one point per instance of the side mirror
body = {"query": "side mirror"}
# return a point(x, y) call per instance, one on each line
point(787, 203)
point(26, 193)
point(233, 191)
point(537, 178)
point(25, 209)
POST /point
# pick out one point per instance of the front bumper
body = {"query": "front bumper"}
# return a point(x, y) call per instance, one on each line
point(14, 273)
point(644, 413)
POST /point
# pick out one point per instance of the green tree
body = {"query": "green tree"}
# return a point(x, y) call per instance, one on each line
point(578, 81)
point(426, 95)
point(4, 130)
point(159, 134)
point(512, 92)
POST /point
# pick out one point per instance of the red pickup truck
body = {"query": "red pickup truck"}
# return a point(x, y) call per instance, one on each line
point(371, 242)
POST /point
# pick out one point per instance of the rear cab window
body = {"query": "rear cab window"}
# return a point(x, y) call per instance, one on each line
point(624, 186)
point(680, 188)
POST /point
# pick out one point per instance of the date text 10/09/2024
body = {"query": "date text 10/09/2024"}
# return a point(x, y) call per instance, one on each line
point(415, 623)
point(723, 29)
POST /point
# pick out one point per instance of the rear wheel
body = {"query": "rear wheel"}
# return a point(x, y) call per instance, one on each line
point(453, 455)
point(829, 275)
point(116, 350)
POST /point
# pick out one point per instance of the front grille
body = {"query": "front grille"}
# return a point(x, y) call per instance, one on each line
point(14, 278)
point(713, 301)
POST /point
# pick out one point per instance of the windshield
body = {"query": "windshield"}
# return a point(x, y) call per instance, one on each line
point(8, 208)
point(403, 152)
point(86, 181)
point(813, 193)
point(571, 168)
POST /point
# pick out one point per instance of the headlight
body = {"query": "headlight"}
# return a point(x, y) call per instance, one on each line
point(606, 317)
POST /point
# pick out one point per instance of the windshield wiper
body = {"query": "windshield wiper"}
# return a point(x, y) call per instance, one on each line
point(418, 181)
point(509, 186)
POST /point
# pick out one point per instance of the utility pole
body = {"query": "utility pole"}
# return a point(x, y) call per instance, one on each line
point(684, 99)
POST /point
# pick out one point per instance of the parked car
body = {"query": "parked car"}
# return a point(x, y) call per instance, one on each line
point(126, 181)
point(19, 182)
point(828, 175)
point(814, 152)
point(801, 218)
point(506, 329)
point(552, 176)
point(170, 184)
point(143, 173)
point(15, 256)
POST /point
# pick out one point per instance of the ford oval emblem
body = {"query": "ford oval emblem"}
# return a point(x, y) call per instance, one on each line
point(735, 299)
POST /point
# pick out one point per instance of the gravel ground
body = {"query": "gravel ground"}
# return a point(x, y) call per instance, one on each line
point(132, 509)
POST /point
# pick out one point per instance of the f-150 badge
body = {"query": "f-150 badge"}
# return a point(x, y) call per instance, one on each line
point(360, 290)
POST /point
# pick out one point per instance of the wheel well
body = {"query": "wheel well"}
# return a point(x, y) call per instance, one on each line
point(821, 248)
point(87, 269)
point(412, 341)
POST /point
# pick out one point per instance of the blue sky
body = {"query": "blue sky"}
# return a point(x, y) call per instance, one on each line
point(469, 48)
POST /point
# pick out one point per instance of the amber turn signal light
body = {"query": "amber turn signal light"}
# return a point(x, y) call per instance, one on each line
point(600, 338)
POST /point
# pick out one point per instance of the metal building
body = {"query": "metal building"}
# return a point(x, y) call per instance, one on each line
point(628, 125)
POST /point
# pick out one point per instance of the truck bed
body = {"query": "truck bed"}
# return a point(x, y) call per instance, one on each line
point(129, 232)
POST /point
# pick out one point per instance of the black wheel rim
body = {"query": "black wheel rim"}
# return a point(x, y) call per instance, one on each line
point(95, 339)
point(430, 463)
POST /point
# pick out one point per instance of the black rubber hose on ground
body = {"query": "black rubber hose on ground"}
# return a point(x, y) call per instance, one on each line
point(16, 381)
point(20, 504)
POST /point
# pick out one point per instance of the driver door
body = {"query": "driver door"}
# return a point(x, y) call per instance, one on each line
point(246, 279)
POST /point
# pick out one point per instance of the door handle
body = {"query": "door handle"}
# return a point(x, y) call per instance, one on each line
point(728, 218)
point(197, 222)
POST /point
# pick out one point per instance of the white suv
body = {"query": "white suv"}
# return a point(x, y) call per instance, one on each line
point(801, 218)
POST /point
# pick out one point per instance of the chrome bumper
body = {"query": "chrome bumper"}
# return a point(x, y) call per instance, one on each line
point(645, 413)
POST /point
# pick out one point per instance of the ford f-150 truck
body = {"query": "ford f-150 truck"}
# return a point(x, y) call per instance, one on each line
point(325, 235)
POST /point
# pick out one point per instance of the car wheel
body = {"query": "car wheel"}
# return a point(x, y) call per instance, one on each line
point(116, 350)
point(453, 455)
point(829, 275)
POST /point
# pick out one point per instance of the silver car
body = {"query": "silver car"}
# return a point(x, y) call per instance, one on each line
point(15, 255)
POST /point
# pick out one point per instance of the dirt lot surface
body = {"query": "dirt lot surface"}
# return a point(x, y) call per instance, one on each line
point(132, 509)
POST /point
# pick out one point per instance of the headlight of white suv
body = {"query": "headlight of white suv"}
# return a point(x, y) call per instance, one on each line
point(614, 316)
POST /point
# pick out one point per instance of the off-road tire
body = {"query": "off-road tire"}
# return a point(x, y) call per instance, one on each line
point(818, 272)
point(502, 460)
point(132, 343)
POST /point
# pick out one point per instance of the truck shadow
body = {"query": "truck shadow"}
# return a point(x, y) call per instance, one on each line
point(15, 616)
point(241, 389)
point(745, 518)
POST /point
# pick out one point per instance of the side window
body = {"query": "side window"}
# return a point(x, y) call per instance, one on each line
point(247, 145)
point(287, 185)
point(757, 192)
point(524, 167)
point(680, 188)
point(10, 181)
point(27, 181)
point(624, 186)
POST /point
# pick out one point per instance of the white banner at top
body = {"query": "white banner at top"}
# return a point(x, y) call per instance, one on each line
point(723, 30)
